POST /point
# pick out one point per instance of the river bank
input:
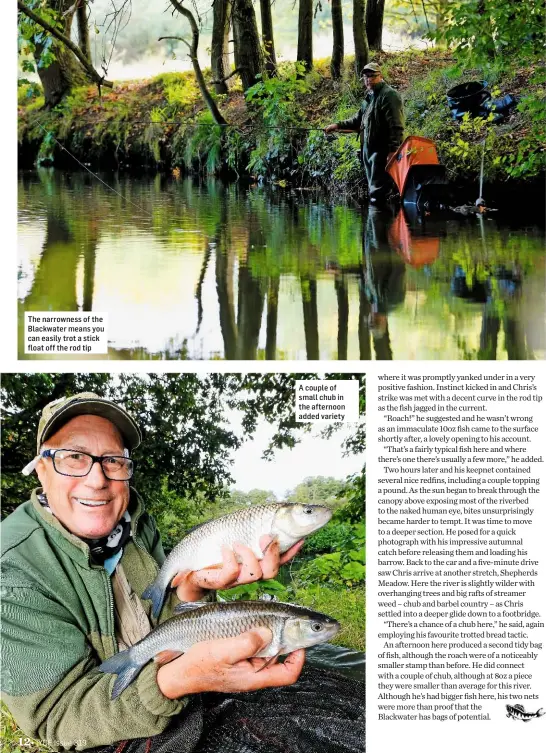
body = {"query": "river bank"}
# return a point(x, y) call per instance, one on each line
point(276, 135)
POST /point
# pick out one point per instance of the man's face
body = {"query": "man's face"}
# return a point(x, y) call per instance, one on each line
point(371, 79)
point(67, 495)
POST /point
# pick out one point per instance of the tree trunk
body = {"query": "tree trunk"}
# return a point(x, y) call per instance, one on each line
point(248, 52)
point(305, 34)
point(336, 66)
point(64, 73)
point(359, 33)
point(375, 10)
point(219, 57)
point(193, 47)
point(267, 37)
point(83, 30)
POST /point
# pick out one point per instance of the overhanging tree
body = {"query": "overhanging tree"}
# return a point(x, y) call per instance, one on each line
point(45, 31)
point(193, 49)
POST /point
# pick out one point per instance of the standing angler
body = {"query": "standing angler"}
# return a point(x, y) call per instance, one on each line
point(380, 123)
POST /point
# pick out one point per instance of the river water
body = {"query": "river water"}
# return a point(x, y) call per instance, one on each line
point(204, 270)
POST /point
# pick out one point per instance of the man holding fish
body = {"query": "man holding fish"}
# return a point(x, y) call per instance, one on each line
point(104, 640)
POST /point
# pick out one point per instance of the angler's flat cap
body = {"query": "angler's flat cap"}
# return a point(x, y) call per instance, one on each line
point(59, 412)
point(371, 68)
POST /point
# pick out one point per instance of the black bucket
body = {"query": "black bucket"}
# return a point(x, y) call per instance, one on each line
point(467, 97)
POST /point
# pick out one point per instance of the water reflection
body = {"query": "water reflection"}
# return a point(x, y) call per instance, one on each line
point(207, 270)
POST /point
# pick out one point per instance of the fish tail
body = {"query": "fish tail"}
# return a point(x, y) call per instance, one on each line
point(156, 593)
point(125, 667)
point(540, 712)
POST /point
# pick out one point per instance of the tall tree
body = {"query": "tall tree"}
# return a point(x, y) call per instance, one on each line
point(248, 53)
point(336, 66)
point(61, 64)
point(362, 53)
point(375, 11)
point(305, 34)
point(83, 29)
point(219, 57)
point(267, 37)
point(193, 48)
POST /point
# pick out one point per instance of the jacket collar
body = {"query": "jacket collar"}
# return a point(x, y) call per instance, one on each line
point(71, 544)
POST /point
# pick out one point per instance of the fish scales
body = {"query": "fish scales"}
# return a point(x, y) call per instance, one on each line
point(202, 546)
point(291, 626)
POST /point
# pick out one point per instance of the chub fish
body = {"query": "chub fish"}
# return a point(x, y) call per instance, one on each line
point(518, 712)
point(292, 627)
point(202, 547)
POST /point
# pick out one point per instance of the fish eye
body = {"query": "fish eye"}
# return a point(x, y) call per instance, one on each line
point(316, 627)
point(308, 510)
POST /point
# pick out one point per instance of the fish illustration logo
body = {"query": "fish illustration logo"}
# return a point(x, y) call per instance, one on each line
point(518, 712)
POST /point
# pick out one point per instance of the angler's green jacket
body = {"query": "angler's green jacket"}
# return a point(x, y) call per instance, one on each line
point(380, 120)
point(58, 626)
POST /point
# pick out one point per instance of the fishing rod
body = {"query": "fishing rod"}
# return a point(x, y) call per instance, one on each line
point(174, 122)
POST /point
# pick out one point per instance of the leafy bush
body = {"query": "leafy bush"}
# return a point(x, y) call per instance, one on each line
point(345, 567)
point(331, 538)
point(483, 31)
point(274, 103)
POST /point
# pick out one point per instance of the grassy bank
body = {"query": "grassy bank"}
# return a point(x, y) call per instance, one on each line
point(161, 124)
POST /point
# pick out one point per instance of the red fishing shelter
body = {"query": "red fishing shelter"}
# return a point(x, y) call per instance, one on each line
point(416, 170)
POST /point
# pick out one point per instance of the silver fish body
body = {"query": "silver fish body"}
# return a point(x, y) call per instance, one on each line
point(292, 627)
point(202, 547)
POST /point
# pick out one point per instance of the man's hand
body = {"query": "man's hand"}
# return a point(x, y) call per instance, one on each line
point(191, 585)
point(226, 665)
point(331, 128)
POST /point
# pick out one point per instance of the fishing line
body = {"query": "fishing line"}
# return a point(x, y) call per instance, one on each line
point(167, 122)
point(81, 164)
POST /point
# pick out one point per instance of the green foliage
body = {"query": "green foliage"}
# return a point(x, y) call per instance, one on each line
point(256, 590)
point(348, 605)
point(274, 103)
point(199, 145)
point(342, 567)
point(483, 31)
point(529, 157)
point(36, 46)
point(513, 149)
point(184, 460)
point(318, 490)
point(333, 537)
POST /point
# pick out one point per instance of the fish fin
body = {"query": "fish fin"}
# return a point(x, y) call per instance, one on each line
point(163, 657)
point(189, 606)
point(124, 667)
point(269, 662)
point(275, 538)
point(194, 528)
point(156, 593)
point(526, 720)
point(519, 706)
